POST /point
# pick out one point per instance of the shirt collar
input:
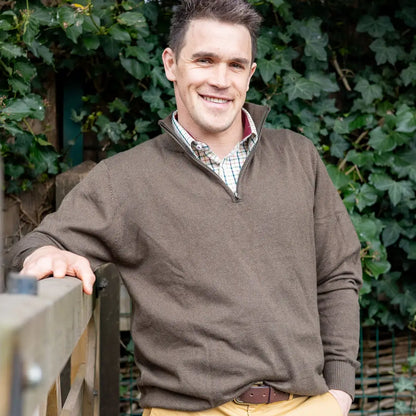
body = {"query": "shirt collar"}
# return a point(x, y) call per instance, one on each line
point(249, 131)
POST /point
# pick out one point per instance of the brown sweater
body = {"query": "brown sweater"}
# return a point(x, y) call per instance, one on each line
point(226, 291)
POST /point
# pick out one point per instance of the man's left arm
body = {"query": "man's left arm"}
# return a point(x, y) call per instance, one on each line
point(339, 279)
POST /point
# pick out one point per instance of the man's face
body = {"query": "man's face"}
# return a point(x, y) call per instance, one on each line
point(211, 77)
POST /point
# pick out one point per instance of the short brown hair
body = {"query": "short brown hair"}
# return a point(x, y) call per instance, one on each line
point(228, 11)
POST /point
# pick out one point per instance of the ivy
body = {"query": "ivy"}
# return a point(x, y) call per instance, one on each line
point(339, 72)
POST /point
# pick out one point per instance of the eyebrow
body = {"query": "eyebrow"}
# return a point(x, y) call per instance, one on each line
point(203, 54)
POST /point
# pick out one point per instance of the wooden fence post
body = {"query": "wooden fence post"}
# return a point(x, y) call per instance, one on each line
point(108, 286)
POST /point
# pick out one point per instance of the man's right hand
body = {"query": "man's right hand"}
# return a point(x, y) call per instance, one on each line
point(51, 261)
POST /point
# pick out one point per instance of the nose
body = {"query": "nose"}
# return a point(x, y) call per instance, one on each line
point(220, 76)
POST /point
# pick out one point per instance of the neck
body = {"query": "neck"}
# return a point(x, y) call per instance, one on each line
point(222, 144)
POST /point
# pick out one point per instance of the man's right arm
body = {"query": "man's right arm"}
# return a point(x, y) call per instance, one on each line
point(82, 234)
point(51, 261)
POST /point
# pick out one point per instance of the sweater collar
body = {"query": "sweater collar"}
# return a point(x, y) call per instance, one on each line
point(258, 114)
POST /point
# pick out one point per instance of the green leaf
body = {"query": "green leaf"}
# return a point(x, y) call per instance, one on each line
point(326, 106)
point(397, 190)
point(408, 75)
point(139, 53)
point(66, 16)
point(362, 120)
point(381, 141)
point(366, 197)
point(134, 67)
point(14, 171)
point(110, 47)
point(276, 3)
point(338, 145)
point(41, 51)
point(132, 19)
point(118, 105)
point(44, 16)
point(376, 28)
point(19, 86)
point(10, 51)
point(381, 181)
point(91, 42)
point(152, 96)
point(408, 14)
point(410, 248)
point(264, 46)
point(295, 86)
point(402, 407)
point(404, 164)
point(384, 159)
point(29, 106)
point(315, 40)
point(404, 384)
point(25, 70)
point(369, 92)
point(342, 126)
point(385, 53)
point(378, 267)
point(406, 120)
point(412, 361)
point(406, 302)
point(339, 179)
point(368, 227)
point(326, 83)
point(110, 129)
point(73, 32)
point(5, 25)
point(159, 78)
point(91, 25)
point(391, 233)
point(361, 159)
point(44, 160)
point(31, 29)
point(267, 69)
point(142, 126)
point(118, 33)
point(400, 190)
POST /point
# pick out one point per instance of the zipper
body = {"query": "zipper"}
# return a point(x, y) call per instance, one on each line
point(249, 157)
point(236, 196)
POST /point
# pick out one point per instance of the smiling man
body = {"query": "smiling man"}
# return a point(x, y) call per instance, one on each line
point(211, 74)
point(239, 256)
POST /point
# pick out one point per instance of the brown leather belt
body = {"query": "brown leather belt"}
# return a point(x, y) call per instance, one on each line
point(262, 394)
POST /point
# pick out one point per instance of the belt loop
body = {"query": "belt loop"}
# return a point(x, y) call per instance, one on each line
point(290, 396)
point(270, 395)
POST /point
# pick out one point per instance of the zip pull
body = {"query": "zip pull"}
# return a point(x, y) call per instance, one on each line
point(237, 196)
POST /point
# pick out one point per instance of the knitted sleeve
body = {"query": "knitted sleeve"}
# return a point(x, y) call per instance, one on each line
point(84, 224)
point(339, 279)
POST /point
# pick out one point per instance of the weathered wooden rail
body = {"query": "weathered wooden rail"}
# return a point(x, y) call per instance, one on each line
point(59, 349)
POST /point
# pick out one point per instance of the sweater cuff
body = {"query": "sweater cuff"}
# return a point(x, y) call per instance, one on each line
point(340, 375)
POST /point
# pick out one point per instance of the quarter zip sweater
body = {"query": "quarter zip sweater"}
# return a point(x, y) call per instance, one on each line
point(226, 291)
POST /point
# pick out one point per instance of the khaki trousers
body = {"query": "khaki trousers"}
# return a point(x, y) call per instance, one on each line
point(323, 405)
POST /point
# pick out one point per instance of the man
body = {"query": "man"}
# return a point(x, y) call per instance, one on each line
point(240, 259)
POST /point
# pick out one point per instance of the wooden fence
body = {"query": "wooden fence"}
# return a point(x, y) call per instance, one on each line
point(59, 348)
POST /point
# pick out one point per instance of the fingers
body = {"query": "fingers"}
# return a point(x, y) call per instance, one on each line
point(84, 272)
point(49, 260)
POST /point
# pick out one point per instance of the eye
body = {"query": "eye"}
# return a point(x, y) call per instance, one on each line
point(237, 65)
point(204, 61)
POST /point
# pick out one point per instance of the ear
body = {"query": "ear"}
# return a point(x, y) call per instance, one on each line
point(252, 70)
point(169, 62)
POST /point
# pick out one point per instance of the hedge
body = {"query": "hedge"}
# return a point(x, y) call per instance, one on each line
point(342, 73)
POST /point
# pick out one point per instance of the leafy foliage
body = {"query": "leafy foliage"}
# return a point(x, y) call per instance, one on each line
point(349, 85)
point(405, 388)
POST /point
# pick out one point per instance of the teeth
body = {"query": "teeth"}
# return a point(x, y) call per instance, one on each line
point(215, 100)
